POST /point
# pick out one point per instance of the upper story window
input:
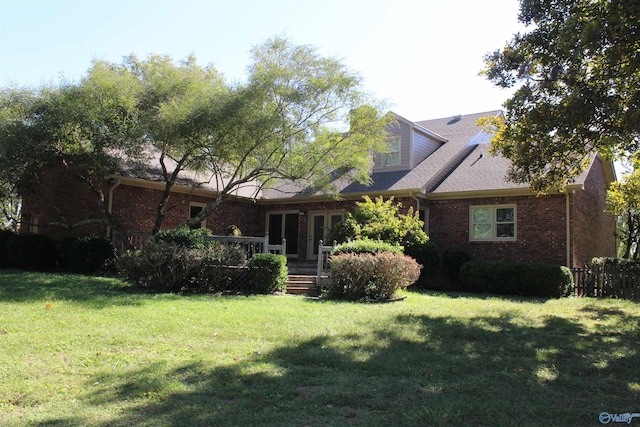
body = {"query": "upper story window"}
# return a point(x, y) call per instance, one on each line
point(488, 223)
point(392, 158)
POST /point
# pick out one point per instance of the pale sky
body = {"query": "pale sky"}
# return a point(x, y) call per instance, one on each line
point(421, 56)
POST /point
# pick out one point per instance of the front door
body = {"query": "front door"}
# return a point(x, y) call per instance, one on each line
point(320, 225)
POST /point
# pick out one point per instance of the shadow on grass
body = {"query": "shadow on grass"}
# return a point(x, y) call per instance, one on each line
point(94, 291)
point(418, 370)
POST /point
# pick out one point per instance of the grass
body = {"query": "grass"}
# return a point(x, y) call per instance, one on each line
point(77, 350)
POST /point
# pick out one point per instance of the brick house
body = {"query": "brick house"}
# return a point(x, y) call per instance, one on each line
point(439, 167)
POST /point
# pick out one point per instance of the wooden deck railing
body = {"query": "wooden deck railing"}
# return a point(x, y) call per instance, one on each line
point(323, 271)
point(251, 245)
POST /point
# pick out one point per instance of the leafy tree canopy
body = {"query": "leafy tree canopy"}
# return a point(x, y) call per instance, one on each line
point(381, 219)
point(623, 200)
point(578, 88)
point(298, 116)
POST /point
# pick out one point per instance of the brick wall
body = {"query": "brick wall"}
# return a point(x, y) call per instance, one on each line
point(63, 206)
point(136, 209)
point(592, 227)
point(540, 222)
point(540, 229)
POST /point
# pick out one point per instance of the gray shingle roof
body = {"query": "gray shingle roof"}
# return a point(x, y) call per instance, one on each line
point(451, 168)
point(460, 164)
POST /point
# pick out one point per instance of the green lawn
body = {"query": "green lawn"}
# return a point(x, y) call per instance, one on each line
point(77, 350)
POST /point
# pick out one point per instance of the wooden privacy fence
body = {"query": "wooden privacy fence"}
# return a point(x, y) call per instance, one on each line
point(607, 280)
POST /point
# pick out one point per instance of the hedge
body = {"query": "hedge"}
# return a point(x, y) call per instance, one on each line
point(90, 254)
point(366, 246)
point(5, 235)
point(513, 278)
point(32, 252)
point(166, 266)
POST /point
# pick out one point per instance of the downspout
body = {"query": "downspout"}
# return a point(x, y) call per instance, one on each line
point(416, 199)
point(110, 205)
point(568, 227)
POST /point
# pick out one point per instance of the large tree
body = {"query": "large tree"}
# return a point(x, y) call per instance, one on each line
point(623, 200)
point(84, 128)
point(298, 116)
point(576, 75)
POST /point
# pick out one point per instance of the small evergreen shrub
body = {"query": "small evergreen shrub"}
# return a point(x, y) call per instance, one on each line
point(426, 254)
point(514, 278)
point(371, 277)
point(184, 237)
point(452, 260)
point(5, 235)
point(268, 273)
point(89, 254)
point(366, 246)
point(32, 252)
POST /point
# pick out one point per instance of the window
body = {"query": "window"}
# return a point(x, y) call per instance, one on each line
point(492, 223)
point(30, 223)
point(284, 225)
point(423, 214)
point(194, 210)
point(392, 158)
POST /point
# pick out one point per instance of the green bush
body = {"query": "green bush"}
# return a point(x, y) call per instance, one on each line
point(160, 266)
point(167, 266)
point(5, 235)
point(513, 278)
point(371, 277)
point(32, 252)
point(366, 246)
point(380, 220)
point(184, 237)
point(268, 273)
point(426, 254)
point(615, 262)
point(452, 260)
point(89, 254)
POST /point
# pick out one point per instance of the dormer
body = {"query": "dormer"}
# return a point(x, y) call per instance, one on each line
point(409, 144)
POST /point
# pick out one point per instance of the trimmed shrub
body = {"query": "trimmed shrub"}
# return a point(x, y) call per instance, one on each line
point(164, 266)
point(5, 235)
point(268, 273)
point(426, 254)
point(366, 246)
point(160, 266)
point(184, 237)
point(514, 278)
point(89, 254)
point(371, 277)
point(452, 260)
point(32, 252)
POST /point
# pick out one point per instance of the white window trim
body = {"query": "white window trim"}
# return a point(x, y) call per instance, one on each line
point(385, 163)
point(203, 223)
point(494, 237)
